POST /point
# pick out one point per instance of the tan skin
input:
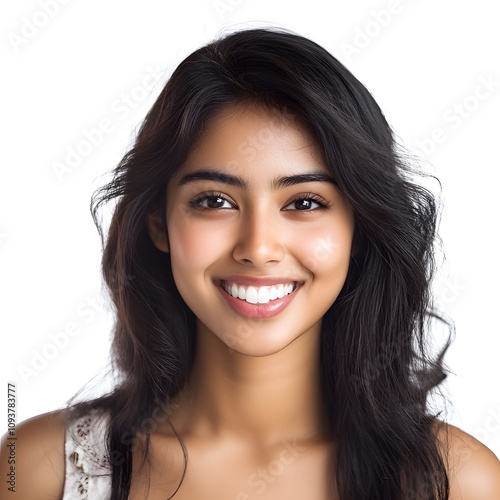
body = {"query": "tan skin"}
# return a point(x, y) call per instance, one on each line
point(251, 416)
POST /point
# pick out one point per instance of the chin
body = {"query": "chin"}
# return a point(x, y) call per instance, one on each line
point(253, 346)
point(259, 351)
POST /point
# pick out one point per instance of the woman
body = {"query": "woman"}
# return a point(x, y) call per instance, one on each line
point(269, 259)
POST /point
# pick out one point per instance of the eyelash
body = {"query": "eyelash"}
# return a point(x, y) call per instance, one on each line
point(195, 203)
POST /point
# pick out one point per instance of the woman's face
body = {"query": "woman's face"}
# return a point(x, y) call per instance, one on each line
point(239, 213)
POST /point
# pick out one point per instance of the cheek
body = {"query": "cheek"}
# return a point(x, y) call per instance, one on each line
point(326, 249)
point(194, 246)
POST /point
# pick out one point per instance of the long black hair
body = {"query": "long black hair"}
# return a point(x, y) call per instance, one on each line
point(376, 373)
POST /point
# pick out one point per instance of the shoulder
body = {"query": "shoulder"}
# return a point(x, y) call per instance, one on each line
point(35, 451)
point(473, 469)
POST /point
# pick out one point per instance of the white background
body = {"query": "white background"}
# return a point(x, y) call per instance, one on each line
point(65, 72)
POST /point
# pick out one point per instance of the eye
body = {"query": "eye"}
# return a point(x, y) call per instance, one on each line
point(210, 201)
point(305, 203)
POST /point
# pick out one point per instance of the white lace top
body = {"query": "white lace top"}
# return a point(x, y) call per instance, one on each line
point(88, 471)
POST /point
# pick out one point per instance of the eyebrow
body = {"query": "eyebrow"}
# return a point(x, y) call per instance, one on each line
point(233, 180)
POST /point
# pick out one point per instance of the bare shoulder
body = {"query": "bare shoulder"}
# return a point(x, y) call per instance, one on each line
point(32, 458)
point(473, 469)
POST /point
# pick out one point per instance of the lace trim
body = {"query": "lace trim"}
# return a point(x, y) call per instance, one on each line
point(88, 469)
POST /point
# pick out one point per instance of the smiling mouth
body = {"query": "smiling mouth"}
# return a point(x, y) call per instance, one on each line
point(258, 295)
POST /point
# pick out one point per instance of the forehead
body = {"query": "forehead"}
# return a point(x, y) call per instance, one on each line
point(254, 141)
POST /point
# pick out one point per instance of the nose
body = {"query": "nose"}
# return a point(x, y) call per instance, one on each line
point(259, 241)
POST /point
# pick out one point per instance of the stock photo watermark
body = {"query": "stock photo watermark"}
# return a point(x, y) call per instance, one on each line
point(56, 342)
point(369, 30)
point(454, 116)
point(11, 443)
point(161, 413)
point(254, 143)
point(451, 290)
point(490, 427)
point(224, 7)
point(264, 476)
point(91, 138)
point(33, 24)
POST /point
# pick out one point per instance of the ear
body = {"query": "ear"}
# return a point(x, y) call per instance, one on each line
point(157, 232)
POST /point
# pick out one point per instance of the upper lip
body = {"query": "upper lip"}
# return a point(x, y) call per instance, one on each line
point(244, 280)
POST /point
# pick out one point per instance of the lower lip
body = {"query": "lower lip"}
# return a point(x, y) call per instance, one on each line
point(258, 311)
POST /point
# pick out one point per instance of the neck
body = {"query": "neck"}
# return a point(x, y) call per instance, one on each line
point(268, 399)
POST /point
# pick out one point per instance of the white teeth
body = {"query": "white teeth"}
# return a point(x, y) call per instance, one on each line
point(263, 296)
point(258, 295)
point(251, 295)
